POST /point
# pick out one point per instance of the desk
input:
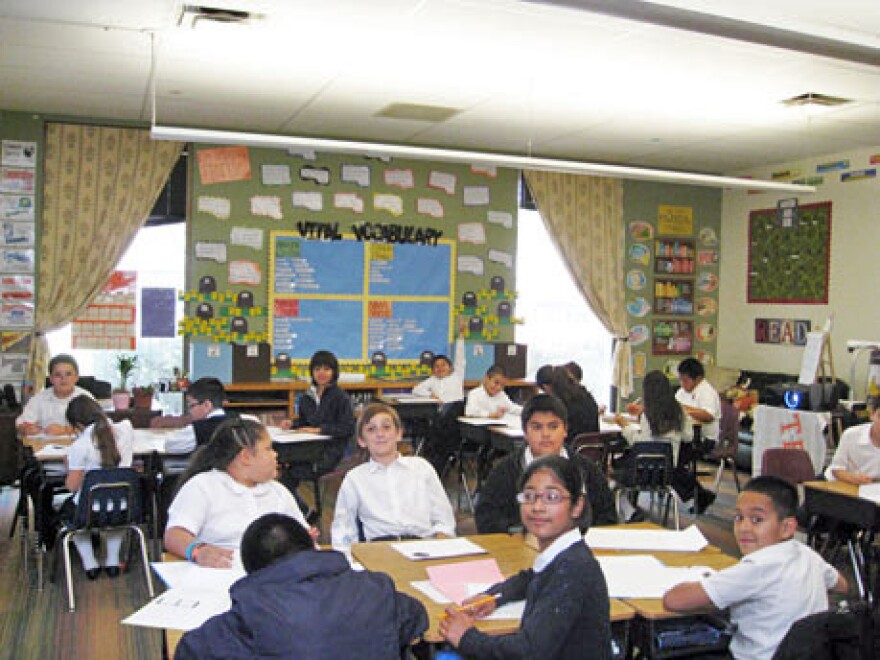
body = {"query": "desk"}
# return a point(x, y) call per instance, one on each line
point(299, 448)
point(839, 502)
point(417, 414)
point(511, 553)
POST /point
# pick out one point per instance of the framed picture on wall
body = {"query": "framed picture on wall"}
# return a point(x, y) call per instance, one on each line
point(672, 337)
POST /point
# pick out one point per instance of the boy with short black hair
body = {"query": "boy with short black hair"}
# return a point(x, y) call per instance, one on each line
point(204, 402)
point(298, 602)
point(857, 459)
point(778, 581)
point(489, 399)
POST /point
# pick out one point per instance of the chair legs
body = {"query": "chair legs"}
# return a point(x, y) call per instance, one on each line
point(722, 463)
point(668, 497)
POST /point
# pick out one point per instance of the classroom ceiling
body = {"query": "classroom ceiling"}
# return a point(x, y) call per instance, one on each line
point(497, 75)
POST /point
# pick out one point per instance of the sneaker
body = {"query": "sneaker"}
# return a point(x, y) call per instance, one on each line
point(93, 573)
point(112, 571)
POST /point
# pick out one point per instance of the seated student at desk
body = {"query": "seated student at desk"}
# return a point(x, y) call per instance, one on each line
point(229, 483)
point(99, 444)
point(204, 401)
point(446, 383)
point(391, 496)
point(857, 459)
point(44, 413)
point(490, 399)
point(699, 398)
point(326, 409)
point(566, 613)
point(544, 424)
point(583, 411)
point(778, 581)
point(299, 602)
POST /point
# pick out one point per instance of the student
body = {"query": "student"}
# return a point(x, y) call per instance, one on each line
point(566, 612)
point(229, 483)
point(326, 409)
point(204, 401)
point(489, 399)
point(583, 412)
point(99, 444)
point(544, 424)
point(778, 581)
point(299, 602)
point(446, 383)
point(699, 398)
point(391, 496)
point(45, 412)
point(857, 459)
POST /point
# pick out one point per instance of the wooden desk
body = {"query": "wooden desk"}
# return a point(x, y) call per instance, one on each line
point(510, 551)
point(417, 414)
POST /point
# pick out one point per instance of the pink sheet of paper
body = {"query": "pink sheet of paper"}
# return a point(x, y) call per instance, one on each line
point(451, 579)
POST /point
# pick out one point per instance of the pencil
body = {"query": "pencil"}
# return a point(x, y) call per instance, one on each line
point(482, 601)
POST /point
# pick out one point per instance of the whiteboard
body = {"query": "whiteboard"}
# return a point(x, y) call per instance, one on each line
point(812, 355)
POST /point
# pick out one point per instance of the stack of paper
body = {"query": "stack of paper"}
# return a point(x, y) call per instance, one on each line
point(452, 579)
point(605, 538)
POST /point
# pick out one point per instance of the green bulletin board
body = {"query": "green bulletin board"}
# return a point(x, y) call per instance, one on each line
point(789, 264)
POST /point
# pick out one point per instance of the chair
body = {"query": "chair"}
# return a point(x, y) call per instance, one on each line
point(793, 465)
point(110, 499)
point(38, 519)
point(843, 633)
point(648, 468)
point(593, 446)
point(728, 442)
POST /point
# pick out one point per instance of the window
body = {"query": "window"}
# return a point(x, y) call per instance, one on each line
point(559, 325)
point(158, 254)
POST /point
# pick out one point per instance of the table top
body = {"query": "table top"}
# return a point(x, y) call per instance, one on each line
point(839, 487)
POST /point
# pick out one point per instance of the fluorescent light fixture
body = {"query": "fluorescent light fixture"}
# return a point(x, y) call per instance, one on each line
point(513, 161)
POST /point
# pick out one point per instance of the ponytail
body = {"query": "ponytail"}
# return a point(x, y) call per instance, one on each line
point(83, 411)
point(225, 444)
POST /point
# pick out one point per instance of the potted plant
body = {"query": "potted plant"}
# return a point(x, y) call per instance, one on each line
point(143, 396)
point(125, 364)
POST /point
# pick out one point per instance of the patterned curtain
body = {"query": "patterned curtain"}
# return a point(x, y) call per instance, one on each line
point(584, 216)
point(99, 186)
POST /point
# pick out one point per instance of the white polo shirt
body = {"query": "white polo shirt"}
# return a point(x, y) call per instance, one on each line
point(856, 453)
point(706, 398)
point(217, 509)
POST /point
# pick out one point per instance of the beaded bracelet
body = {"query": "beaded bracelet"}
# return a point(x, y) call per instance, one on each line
point(191, 548)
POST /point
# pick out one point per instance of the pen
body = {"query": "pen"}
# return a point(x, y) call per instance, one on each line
point(482, 601)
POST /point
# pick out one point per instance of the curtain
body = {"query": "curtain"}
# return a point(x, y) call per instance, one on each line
point(584, 216)
point(99, 185)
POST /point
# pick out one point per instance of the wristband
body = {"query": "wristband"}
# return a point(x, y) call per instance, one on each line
point(191, 548)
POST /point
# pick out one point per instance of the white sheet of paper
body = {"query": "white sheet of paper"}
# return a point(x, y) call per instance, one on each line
point(187, 575)
point(483, 421)
point(216, 206)
point(53, 451)
point(443, 181)
point(431, 592)
point(268, 206)
point(288, 437)
point(430, 207)
point(276, 175)
point(476, 195)
point(313, 201)
point(305, 154)
point(351, 201)
point(391, 203)
point(472, 232)
point(181, 609)
point(688, 540)
point(399, 178)
point(211, 250)
point(251, 237)
point(870, 492)
point(357, 174)
point(437, 548)
point(501, 257)
point(244, 272)
point(468, 263)
point(512, 610)
point(147, 441)
point(502, 218)
point(645, 576)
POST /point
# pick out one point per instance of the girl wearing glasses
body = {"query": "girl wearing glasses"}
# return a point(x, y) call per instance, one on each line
point(566, 612)
point(230, 482)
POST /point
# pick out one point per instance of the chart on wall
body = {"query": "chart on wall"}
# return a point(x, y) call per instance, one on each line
point(789, 261)
point(361, 300)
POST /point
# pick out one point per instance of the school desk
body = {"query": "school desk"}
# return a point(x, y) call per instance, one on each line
point(417, 414)
point(510, 551)
point(839, 503)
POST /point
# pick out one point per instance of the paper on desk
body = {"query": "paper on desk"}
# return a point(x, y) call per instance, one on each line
point(512, 610)
point(688, 540)
point(181, 609)
point(53, 451)
point(644, 576)
point(187, 575)
point(431, 591)
point(437, 548)
point(279, 435)
point(452, 579)
point(870, 492)
point(146, 442)
point(483, 421)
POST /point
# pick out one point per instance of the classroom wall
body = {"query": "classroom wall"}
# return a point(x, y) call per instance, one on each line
point(854, 267)
point(671, 247)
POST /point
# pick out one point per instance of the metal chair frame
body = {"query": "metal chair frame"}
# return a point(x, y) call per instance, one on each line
point(650, 470)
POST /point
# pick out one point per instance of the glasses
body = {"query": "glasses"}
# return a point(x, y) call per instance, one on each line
point(550, 497)
point(192, 404)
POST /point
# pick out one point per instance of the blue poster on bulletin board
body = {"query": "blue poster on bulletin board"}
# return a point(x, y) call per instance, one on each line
point(313, 325)
point(318, 267)
point(408, 329)
point(410, 270)
point(157, 312)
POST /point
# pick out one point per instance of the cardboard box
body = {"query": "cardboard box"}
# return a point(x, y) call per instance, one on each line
point(512, 358)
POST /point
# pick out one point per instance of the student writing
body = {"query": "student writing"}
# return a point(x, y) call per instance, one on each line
point(229, 483)
point(778, 581)
point(391, 496)
point(566, 612)
point(489, 399)
point(299, 602)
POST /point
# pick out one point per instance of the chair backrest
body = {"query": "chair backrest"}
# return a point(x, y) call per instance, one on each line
point(109, 497)
point(830, 635)
point(793, 465)
point(651, 465)
point(592, 446)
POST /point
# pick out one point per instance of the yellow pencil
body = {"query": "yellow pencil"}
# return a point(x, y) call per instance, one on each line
point(482, 601)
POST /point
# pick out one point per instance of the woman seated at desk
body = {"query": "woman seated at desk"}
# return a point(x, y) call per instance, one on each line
point(45, 412)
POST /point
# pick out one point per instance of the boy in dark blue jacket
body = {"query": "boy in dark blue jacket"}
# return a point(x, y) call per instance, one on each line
point(298, 602)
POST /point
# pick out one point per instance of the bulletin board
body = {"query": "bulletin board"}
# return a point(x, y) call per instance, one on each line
point(790, 264)
point(358, 299)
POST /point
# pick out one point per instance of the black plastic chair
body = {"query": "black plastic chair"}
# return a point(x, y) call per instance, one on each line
point(110, 499)
point(648, 468)
point(843, 633)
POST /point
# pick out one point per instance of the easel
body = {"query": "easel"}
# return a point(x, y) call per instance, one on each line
point(818, 366)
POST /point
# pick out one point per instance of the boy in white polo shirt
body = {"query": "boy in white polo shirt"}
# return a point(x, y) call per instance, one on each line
point(778, 581)
point(857, 459)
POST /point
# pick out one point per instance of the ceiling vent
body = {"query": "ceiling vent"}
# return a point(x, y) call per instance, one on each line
point(192, 14)
point(415, 112)
point(810, 98)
